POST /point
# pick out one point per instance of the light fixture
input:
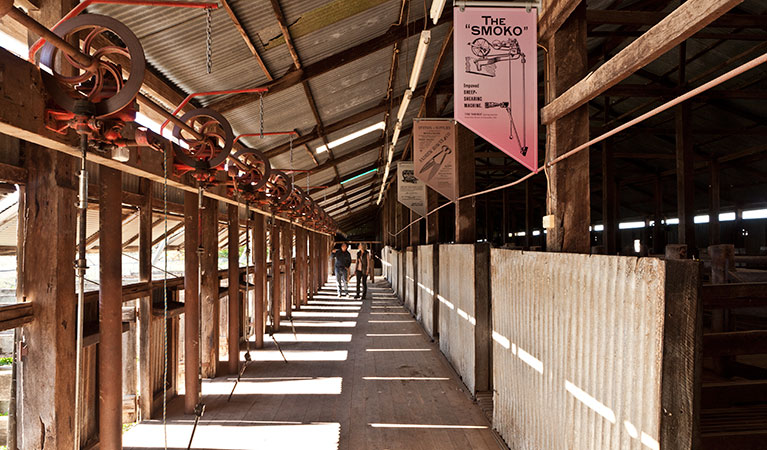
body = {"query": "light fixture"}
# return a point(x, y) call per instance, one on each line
point(359, 176)
point(351, 137)
point(420, 57)
point(403, 106)
point(436, 10)
point(395, 133)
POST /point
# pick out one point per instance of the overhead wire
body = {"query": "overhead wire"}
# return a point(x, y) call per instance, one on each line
point(548, 164)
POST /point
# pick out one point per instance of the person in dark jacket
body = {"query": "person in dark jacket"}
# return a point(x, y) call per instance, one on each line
point(362, 268)
point(343, 260)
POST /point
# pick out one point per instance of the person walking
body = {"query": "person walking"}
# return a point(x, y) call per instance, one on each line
point(361, 270)
point(342, 262)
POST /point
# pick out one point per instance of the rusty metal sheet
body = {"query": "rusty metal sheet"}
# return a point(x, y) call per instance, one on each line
point(577, 350)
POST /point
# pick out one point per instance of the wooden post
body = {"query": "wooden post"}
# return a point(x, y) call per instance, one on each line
point(713, 216)
point(685, 170)
point(287, 252)
point(505, 215)
point(722, 262)
point(48, 369)
point(110, 309)
point(145, 303)
point(528, 215)
point(658, 232)
point(465, 211)
point(609, 201)
point(432, 221)
point(570, 195)
point(259, 280)
point(398, 220)
point(233, 228)
point(415, 230)
point(211, 308)
point(276, 291)
point(191, 304)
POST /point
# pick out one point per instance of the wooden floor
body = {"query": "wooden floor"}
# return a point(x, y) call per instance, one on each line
point(360, 375)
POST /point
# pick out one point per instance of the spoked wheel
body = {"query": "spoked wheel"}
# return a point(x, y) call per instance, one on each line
point(112, 46)
point(280, 188)
point(258, 171)
point(215, 145)
point(480, 47)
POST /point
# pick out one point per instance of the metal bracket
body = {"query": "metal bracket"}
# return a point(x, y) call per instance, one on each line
point(527, 4)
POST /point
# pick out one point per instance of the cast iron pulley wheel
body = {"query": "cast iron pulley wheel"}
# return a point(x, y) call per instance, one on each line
point(280, 187)
point(295, 200)
point(217, 138)
point(259, 169)
point(110, 44)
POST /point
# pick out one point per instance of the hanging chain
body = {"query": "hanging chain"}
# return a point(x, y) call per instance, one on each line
point(208, 40)
point(292, 172)
point(261, 114)
point(165, 299)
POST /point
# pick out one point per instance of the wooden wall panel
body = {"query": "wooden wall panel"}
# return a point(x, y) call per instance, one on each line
point(428, 305)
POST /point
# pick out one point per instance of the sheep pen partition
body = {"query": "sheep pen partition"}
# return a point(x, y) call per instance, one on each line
point(593, 352)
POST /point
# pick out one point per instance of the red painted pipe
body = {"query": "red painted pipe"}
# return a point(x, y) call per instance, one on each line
point(200, 94)
point(85, 3)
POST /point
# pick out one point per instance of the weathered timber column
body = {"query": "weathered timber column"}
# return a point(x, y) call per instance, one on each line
point(145, 303)
point(528, 215)
point(713, 216)
point(110, 309)
point(276, 291)
point(287, 251)
point(259, 280)
point(191, 303)
point(233, 228)
point(301, 257)
point(465, 211)
point(432, 221)
point(415, 230)
point(658, 232)
point(48, 369)
point(609, 202)
point(685, 170)
point(211, 314)
point(570, 193)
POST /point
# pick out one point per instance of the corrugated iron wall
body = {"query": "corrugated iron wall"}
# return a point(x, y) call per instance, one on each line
point(457, 317)
point(409, 282)
point(427, 300)
point(577, 351)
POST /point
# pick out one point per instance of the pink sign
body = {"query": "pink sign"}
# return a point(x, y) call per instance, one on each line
point(496, 88)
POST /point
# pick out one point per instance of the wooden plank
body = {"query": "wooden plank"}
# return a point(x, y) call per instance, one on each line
point(646, 18)
point(733, 393)
point(395, 33)
point(734, 295)
point(744, 440)
point(690, 17)
point(12, 174)
point(258, 233)
point(733, 343)
point(553, 15)
point(283, 24)
point(274, 240)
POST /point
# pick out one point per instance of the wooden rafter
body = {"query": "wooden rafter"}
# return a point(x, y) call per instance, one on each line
point(246, 38)
point(294, 77)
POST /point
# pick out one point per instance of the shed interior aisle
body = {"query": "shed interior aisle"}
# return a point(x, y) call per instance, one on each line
point(360, 374)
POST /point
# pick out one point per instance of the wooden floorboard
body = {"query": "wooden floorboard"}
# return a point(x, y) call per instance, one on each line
point(360, 375)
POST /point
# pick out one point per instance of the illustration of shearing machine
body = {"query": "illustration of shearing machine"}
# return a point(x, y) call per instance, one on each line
point(487, 55)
